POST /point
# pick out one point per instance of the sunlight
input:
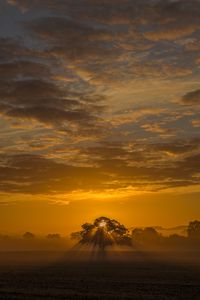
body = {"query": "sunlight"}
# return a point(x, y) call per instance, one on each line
point(102, 223)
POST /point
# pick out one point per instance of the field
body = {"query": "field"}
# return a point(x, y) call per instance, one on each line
point(42, 275)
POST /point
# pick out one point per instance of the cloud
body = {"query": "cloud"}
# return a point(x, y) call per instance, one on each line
point(171, 33)
point(23, 69)
point(116, 12)
point(134, 115)
point(110, 12)
point(191, 98)
point(36, 175)
point(71, 39)
point(196, 123)
point(178, 148)
point(158, 129)
point(25, 5)
point(29, 98)
point(92, 82)
point(106, 54)
point(109, 165)
point(129, 153)
point(191, 45)
point(12, 49)
point(49, 115)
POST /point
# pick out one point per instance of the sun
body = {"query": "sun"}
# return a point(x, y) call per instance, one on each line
point(102, 223)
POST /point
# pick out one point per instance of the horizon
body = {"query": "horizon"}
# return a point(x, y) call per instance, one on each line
point(67, 234)
point(104, 238)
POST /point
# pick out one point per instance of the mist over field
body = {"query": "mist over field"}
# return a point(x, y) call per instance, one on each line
point(104, 260)
point(105, 239)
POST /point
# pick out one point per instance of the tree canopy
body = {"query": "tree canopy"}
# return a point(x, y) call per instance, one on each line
point(103, 232)
point(28, 235)
point(194, 230)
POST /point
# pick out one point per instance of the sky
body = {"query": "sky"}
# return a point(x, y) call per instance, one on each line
point(99, 113)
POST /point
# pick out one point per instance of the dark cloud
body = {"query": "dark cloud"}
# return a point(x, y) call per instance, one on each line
point(12, 49)
point(114, 11)
point(31, 86)
point(191, 98)
point(23, 69)
point(171, 33)
point(71, 39)
point(65, 71)
point(37, 175)
point(128, 153)
point(47, 103)
point(178, 147)
point(23, 91)
point(48, 115)
point(77, 34)
point(25, 5)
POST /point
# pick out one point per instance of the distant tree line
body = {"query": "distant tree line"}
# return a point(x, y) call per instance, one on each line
point(149, 236)
point(30, 235)
point(106, 232)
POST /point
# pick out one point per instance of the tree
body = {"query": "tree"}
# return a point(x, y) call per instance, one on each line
point(103, 232)
point(151, 234)
point(193, 230)
point(137, 234)
point(28, 235)
point(146, 235)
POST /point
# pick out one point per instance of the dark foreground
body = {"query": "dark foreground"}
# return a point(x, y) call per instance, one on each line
point(55, 276)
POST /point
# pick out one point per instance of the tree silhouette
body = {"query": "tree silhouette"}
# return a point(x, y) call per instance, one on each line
point(28, 235)
point(194, 230)
point(103, 232)
point(147, 235)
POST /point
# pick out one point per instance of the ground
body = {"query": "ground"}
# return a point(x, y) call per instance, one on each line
point(60, 277)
